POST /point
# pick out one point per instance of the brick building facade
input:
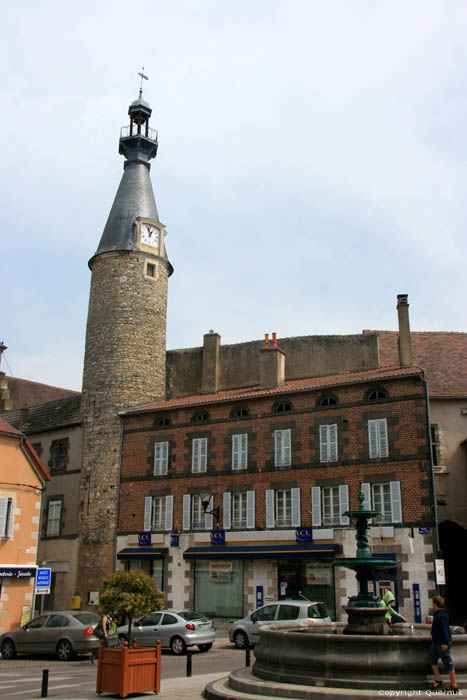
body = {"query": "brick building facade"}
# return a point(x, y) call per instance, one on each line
point(274, 459)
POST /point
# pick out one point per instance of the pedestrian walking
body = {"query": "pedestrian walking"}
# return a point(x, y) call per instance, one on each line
point(441, 645)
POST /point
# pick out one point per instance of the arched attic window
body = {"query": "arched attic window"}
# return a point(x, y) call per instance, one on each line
point(161, 421)
point(282, 406)
point(376, 394)
point(328, 400)
point(200, 417)
point(239, 412)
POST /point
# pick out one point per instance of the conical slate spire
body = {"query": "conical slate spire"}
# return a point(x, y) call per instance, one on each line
point(135, 196)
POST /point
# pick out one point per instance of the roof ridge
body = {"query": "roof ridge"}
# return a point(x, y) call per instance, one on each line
point(49, 386)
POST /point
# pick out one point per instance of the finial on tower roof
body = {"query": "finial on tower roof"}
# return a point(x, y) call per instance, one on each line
point(143, 77)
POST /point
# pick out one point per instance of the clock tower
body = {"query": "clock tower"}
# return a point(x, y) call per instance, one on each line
point(124, 364)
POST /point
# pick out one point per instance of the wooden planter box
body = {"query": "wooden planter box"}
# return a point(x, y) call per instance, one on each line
point(124, 671)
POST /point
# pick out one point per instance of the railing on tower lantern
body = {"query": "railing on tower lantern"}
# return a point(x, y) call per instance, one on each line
point(125, 133)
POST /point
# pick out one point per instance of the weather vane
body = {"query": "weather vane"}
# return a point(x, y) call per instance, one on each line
point(143, 77)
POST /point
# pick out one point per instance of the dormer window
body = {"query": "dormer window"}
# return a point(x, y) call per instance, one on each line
point(240, 412)
point(200, 417)
point(162, 422)
point(377, 395)
point(282, 407)
point(328, 400)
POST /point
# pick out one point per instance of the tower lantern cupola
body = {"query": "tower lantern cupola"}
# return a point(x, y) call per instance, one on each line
point(138, 141)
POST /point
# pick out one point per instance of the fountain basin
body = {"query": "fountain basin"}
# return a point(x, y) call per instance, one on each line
point(321, 655)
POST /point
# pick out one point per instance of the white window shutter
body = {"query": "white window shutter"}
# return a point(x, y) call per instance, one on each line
point(295, 493)
point(278, 448)
point(227, 510)
point(373, 438)
point(3, 512)
point(269, 508)
point(195, 456)
point(383, 437)
point(333, 443)
point(250, 509)
point(396, 501)
point(344, 504)
point(186, 511)
point(235, 451)
point(147, 523)
point(161, 456)
point(208, 518)
point(316, 506)
point(169, 511)
point(286, 449)
point(10, 517)
point(204, 454)
point(365, 488)
point(165, 457)
point(244, 451)
point(323, 443)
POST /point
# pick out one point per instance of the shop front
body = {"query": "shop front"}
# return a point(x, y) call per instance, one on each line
point(147, 559)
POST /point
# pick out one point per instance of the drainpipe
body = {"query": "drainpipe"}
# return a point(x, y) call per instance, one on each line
point(432, 469)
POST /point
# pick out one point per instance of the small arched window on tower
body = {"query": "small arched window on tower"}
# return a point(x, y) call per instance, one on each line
point(282, 407)
point(200, 417)
point(162, 421)
point(240, 412)
point(376, 394)
point(328, 400)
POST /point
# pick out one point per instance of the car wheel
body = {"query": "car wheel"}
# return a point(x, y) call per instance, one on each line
point(122, 638)
point(241, 640)
point(205, 647)
point(64, 650)
point(177, 645)
point(8, 649)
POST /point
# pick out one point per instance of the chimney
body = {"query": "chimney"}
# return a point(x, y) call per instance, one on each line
point(271, 364)
point(405, 343)
point(23, 414)
point(210, 369)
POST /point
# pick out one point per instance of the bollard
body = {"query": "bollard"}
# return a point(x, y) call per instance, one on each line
point(247, 657)
point(188, 664)
point(45, 682)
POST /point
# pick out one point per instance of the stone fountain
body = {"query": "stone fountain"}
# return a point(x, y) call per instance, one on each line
point(361, 659)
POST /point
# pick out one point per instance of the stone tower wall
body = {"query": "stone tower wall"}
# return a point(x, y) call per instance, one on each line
point(124, 366)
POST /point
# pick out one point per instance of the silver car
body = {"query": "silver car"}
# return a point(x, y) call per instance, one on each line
point(63, 633)
point(176, 630)
point(246, 631)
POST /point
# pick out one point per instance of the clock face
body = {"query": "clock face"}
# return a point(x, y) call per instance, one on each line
point(150, 235)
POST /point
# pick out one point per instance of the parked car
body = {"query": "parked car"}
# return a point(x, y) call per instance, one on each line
point(63, 633)
point(176, 630)
point(246, 631)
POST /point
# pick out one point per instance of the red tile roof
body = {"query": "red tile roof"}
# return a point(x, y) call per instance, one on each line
point(7, 428)
point(23, 391)
point(294, 385)
point(443, 356)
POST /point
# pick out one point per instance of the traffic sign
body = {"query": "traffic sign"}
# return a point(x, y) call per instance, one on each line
point(43, 579)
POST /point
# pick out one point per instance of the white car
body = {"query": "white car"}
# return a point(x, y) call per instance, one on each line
point(246, 631)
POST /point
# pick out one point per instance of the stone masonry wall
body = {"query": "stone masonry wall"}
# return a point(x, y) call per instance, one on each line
point(124, 366)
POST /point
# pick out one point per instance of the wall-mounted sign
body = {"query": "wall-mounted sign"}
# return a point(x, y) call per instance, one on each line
point(217, 536)
point(259, 596)
point(424, 530)
point(303, 534)
point(174, 540)
point(144, 539)
point(43, 578)
point(17, 571)
point(440, 575)
point(416, 602)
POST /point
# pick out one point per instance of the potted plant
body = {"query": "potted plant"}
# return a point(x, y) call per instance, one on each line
point(129, 669)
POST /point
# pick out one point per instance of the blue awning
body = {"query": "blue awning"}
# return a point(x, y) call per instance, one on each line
point(278, 551)
point(141, 553)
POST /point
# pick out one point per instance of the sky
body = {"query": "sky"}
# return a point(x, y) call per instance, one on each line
point(312, 165)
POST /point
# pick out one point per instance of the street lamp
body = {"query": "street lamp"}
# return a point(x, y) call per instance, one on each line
point(205, 500)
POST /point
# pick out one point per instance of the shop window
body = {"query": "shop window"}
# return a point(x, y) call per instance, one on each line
point(161, 458)
point(328, 443)
point(239, 451)
point(282, 448)
point(219, 588)
point(378, 438)
point(199, 454)
point(6, 516)
point(54, 511)
point(152, 567)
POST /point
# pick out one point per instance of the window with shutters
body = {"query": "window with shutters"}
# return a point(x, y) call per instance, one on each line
point(386, 499)
point(158, 513)
point(378, 438)
point(240, 451)
point(239, 510)
point(53, 518)
point(283, 508)
point(199, 455)
point(382, 503)
point(161, 458)
point(282, 448)
point(328, 443)
point(6, 515)
point(198, 518)
point(331, 505)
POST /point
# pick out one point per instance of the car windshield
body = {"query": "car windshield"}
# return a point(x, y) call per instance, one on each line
point(191, 616)
point(86, 618)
